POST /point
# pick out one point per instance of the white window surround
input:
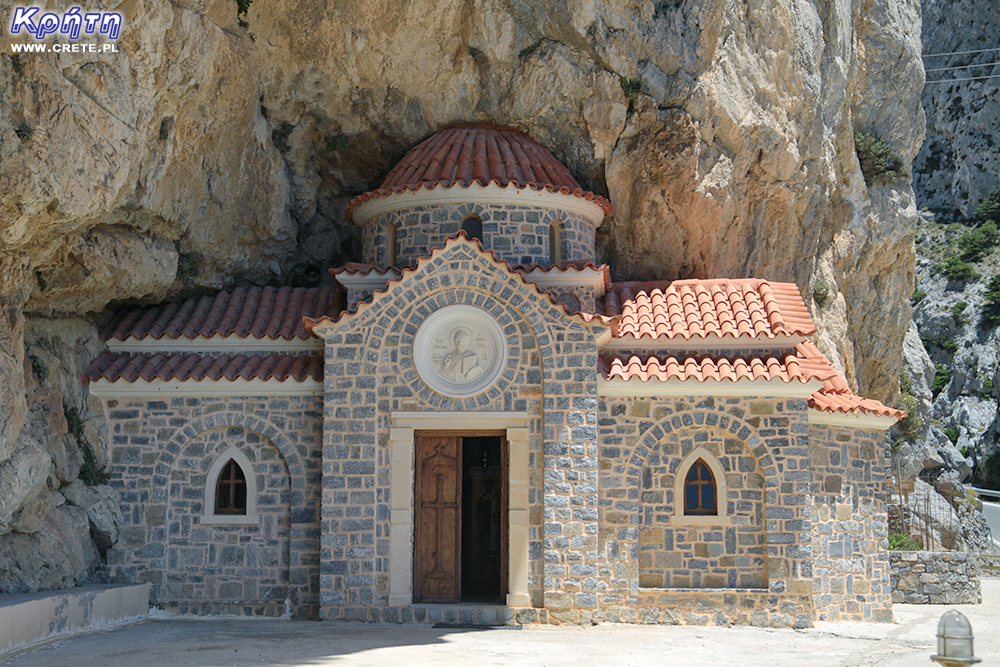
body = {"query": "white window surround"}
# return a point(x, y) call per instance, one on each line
point(211, 482)
point(402, 447)
point(720, 519)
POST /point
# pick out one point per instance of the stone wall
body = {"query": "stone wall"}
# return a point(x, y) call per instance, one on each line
point(516, 234)
point(370, 375)
point(850, 533)
point(758, 559)
point(161, 453)
point(935, 577)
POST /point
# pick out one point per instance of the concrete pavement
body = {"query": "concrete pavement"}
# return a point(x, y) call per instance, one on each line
point(210, 643)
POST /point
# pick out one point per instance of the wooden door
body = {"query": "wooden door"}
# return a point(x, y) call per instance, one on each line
point(437, 555)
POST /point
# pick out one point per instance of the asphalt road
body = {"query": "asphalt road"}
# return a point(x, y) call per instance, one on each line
point(991, 511)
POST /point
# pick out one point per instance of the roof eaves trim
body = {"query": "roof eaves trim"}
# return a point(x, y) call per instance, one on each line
point(586, 277)
point(616, 387)
point(370, 280)
point(709, 342)
point(852, 420)
point(478, 194)
point(194, 388)
point(214, 344)
point(319, 326)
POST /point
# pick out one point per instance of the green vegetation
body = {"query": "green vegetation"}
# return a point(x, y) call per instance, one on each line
point(952, 434)
point(918, 296)
point(989, 208)
point(879, 163)
point(957, 310)
point(41, 372)
point(978, 243)
point(631, 87)
point(336, 141)
point(476, 54)
point(821, 292)
point(528, 50)
point(957, 270)
point(903, 542)
point(990, 316)
point(990, 471)
point(949, 345)
point(942, 376)
point(91, 471)
point(911, 424)
point(280, 134)
point(905, 383)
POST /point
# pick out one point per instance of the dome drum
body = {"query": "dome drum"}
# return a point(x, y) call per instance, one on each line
point(516, 233)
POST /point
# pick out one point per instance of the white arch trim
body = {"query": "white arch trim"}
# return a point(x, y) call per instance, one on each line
point(209, 516)
point(721, 492)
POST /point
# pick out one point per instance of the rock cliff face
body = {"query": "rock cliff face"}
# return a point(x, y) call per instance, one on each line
point(959, 164)
point(207, 154)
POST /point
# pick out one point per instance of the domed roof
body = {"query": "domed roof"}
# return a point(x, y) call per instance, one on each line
point(479, 153)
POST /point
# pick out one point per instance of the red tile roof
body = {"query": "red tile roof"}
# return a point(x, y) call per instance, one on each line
point(480, 153)
point(113, 367)
point(700, 308)
point(253, 312)
point(786, 367)
point(836, 396)
point(804, 363)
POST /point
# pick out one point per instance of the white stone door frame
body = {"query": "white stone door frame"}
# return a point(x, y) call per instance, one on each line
point(402, 445)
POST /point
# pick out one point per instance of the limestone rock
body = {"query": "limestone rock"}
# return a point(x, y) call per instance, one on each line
point(23, 475)
point(207, 154)
point(958, 165)
point(101, 505)
point(60, 554)
point(105, 263)
point(30, 518)
point(917, 364)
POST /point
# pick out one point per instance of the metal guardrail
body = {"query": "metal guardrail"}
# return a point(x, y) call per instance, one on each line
point(989, 493)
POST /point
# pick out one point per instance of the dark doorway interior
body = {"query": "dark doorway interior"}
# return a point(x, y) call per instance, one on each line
point(482, 511)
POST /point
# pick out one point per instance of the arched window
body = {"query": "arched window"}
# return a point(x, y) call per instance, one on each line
point(473, 227)
point(555, 242)
point(700, 494)
point(700, 491)
point(231, 490)
point(390, 245)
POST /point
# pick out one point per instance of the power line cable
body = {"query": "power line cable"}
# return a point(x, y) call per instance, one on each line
point(957, 53)
point(945, 69)
point(972, 78)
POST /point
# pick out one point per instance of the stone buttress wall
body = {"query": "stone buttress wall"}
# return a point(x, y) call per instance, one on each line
point(755, 568)
point(850, 538)
point(161, 453)
point(370, 375)
point(516, 234)
point(935, 577)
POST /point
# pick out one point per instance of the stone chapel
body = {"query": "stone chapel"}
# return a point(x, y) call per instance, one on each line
point(478, 425)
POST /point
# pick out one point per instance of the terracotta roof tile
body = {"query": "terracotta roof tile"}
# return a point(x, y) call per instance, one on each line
point(786, 367)
point(254, 312)
point(836, 396)
point(178, 367)
point(479, 153)
point(700, 308)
